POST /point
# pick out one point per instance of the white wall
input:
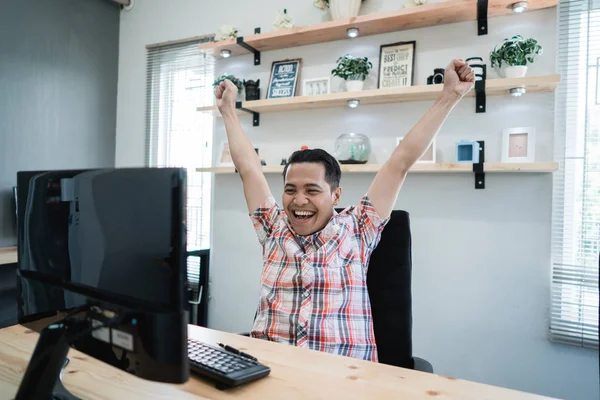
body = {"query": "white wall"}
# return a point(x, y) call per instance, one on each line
point(481, 258)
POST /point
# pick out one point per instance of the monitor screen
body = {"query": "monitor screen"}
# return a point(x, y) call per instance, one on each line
point(111, 234)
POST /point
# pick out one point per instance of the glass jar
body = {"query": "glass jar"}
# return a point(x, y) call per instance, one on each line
point(352, 148)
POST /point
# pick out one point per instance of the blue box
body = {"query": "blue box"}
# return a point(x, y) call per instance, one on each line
point(467, 151)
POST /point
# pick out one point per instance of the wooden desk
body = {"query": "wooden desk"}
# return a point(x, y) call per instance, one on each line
point(296, 374)
point(8, 255)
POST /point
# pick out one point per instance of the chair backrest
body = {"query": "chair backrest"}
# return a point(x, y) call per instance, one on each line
point(389, 285)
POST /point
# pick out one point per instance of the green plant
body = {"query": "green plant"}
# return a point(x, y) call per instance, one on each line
point(236, 81)
point(515, 51)
point(352, 68)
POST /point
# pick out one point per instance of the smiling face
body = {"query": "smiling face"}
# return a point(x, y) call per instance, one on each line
point(308, 199)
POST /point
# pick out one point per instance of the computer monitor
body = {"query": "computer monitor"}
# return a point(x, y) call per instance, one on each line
point(108, 245)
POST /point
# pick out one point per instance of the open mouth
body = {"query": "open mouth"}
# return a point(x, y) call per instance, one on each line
point(303, 215)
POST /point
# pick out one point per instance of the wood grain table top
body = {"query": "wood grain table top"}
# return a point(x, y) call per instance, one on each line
point(296, 373)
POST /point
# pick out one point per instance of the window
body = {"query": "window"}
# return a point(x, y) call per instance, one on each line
point(576, 201)
point(179, 79)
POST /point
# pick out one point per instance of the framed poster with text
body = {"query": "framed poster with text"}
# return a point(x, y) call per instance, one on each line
point(284, 79)
point(396, 65)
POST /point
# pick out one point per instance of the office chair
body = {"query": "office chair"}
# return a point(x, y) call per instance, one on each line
point(8, 295)
point(390, 291)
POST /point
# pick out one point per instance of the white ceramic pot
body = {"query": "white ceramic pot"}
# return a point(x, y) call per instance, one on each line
point(341, 9)
point(515, 71)
point(354, 85)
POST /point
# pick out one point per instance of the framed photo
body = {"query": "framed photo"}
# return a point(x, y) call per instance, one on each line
point(518, 145)
point(284, 79)
point(396, 65)
point(428, 157)
point(316, 87)
point(224, 156)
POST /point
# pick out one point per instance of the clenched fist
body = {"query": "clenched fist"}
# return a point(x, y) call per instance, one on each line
point(226, 94)
point(458, 78)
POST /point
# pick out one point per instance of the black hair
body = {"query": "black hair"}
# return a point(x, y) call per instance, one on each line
point(333, 173)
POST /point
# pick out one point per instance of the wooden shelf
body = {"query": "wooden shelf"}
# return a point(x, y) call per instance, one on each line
point(535, 167)
point(447, 12)
point(494, 87)
point(8, 255)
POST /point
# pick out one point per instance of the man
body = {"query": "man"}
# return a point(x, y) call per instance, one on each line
point(313, 286)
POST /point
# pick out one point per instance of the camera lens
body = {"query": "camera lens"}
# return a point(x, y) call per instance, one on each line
point(438, 78)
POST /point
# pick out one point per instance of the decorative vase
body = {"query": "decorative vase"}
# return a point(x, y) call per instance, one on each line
point(352, 148)
point(353, 85)
point(514, 71)
point(341, 9)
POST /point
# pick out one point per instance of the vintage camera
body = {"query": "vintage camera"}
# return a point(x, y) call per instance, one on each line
point(252, 89)
point(437, 77)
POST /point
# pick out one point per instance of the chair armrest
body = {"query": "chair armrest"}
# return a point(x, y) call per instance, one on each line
point(422, 365)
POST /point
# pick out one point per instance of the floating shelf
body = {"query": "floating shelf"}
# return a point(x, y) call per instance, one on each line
point(447, 12)
point(493, 87)
point(8, 255)
point(534, 167)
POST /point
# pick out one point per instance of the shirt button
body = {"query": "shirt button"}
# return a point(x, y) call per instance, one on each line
point(305, 294)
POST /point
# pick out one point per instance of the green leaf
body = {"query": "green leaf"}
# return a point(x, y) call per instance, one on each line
point(515, 51)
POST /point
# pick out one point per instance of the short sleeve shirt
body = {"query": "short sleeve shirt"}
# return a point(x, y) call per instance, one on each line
point(314, 288)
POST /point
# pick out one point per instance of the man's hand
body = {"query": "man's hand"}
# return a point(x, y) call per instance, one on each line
point(245, 159)
point(458, 78)
point(226, 94)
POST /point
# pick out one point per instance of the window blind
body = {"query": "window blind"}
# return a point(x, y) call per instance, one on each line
point(179, 79)
point(576, 192)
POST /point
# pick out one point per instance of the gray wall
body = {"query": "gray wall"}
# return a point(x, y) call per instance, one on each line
point(58, 90)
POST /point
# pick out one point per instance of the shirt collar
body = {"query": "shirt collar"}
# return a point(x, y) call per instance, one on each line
point(318, 238)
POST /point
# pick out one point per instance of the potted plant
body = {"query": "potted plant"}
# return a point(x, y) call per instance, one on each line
point(353, 70)
point(340, 9)
point(236, 81)
point(514, 54)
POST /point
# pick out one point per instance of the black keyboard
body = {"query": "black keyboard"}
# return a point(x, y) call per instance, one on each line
point(223, 367)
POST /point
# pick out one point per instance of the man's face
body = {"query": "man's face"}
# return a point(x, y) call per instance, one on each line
point(307, 198)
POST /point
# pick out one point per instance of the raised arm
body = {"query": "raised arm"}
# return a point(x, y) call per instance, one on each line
point(458, 80)
point(245, 159)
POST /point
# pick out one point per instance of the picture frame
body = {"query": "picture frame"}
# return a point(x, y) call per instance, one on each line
point(224, 156)
point(396, 65)
point(316, 86)
point(429, 157)
point(518, 145)
point(284, 78)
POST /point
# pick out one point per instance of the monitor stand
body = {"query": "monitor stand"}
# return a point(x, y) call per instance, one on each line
point(43, 377)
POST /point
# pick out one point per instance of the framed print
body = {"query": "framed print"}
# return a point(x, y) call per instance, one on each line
point(317, 86)
point(428, 157)
point(224, 155)
point(396, 65)
point(518, 145)
point(284, 79)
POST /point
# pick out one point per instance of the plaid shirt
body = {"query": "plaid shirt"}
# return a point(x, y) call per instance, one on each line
point(314, 288)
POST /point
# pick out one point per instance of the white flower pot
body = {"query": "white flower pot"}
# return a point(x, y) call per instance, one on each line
point(341, 9)
point(354, 85)
point(514, 71)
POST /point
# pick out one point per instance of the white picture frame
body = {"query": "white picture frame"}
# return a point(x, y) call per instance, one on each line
point(429, 157)
point(316, 86)
point(224, 155)
point(518, 145)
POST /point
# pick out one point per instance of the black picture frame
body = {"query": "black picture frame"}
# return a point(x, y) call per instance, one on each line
point(298, 70)
point(413, 43)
